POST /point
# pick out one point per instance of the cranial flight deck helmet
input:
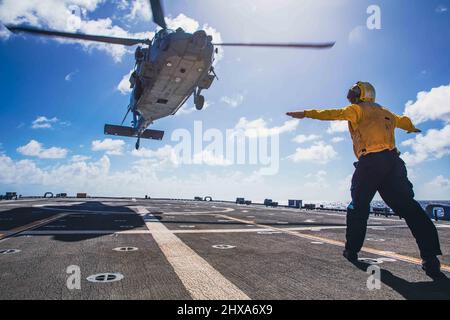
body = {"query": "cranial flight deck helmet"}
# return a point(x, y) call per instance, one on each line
point(361, 92)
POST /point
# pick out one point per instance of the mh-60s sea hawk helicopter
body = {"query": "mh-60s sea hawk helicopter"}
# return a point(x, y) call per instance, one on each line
point(173, 66)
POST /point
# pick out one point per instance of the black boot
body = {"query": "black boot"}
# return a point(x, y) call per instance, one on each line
point(350, 256)
point(432, 268)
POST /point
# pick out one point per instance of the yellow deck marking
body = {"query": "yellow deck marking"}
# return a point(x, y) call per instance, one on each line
point(32, 225)
point(200, 279)
point(340, 243)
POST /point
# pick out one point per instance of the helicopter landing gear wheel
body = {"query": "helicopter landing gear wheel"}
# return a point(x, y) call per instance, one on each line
point(199, 102)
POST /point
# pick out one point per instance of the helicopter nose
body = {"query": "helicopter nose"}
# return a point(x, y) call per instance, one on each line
point(200, 39)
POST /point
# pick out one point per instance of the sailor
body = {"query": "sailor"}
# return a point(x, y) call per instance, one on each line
point(379, 168)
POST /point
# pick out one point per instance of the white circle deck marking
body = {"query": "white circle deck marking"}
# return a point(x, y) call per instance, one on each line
point(223, 246)
point(187, 226)
point(126, 249)
point(376, 260)
point(9, 251)
point(375, 240)
point(316, 242)
point(105, 277)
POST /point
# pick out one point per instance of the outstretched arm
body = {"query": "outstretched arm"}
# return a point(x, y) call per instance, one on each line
point(351, 113)
point(405, 123)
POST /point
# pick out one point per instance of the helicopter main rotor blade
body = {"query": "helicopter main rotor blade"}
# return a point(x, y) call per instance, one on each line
point(325, 45)
point(79, 36)
point(158, 13)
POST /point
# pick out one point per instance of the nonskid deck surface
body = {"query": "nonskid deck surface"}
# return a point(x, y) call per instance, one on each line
point(201, 250)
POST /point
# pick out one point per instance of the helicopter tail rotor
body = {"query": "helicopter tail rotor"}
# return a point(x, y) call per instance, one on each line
point(123, 131)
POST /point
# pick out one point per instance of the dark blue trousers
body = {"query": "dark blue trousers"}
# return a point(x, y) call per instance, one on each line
point(386, 173)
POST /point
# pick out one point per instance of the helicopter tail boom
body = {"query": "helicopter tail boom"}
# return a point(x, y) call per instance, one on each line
point(123, 131)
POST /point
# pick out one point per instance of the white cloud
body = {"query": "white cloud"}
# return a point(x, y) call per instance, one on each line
point(233, 101)
point(337, 127)
point(35, 149)
point(319, 180)
point(345, 184)
point(182, 21)
point(318, 153)
point(140, 178)
point(209, 158)
point(435, 144)
point(110, 146)
point(140, 9)
point(4, 33)
point(305, 138)
point(166, 155)
point(187, 109)
point(259, 128)
point(337, 139)
point(431, 105)
point(70, 75)
point(19, 172)
point(43, 122)
point(357, 35)
point(80, 158)
point(441, 9)
point(439, 183)
point(124, 84)
point(57, 15)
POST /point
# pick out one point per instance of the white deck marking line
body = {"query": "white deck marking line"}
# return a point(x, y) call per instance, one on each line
point(396, 256)
point(86, 211)
point(56, 204)
point(199, 212)
point(72, 232)
point(56, 232)
point(343, 215)
point(200, 279)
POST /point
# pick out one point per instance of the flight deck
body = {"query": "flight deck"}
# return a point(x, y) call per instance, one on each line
point(172, 249)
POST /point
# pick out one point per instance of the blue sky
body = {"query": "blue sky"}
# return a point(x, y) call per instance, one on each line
point(75, 87)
